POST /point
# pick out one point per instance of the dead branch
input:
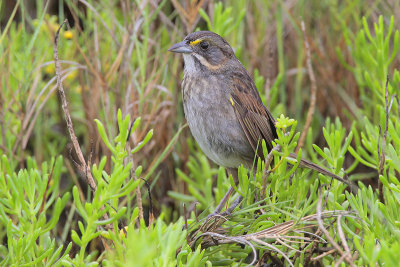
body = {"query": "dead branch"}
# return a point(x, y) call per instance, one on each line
point(274, 248)
point(233, 239)
point(323, 255)
point(313, 98)
point(81, 164)
point(326, 233)
point(277, 233)
point(382, 155)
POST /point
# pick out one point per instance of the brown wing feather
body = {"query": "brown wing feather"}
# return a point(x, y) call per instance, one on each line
point(256, 120)
point(258, 124)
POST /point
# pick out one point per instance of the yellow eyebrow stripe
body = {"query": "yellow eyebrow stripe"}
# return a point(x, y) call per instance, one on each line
point(233, 103)
point(195, 42)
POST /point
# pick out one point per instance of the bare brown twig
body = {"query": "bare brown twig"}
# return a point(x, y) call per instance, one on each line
point(323, 255)
point(382, 155)
point(81, 164)
point(344, 242)
point(321, 226)
point(235, 239)
point(313, 98)
point(214, 234)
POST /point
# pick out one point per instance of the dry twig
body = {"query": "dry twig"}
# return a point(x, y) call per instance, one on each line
point(323, 255)
point(234, 239)
point(81, 164)
point(313, 97)
point(277, 233)
point(382, 155)
point(326, 233)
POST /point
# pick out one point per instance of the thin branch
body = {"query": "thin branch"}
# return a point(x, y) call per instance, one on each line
point(313, 98)
point(280, 241)
point(185, 216)
point(326, 233)
point(275, 249)
point(323, 255)
point(398, 104)
point(382, 155)
point(195, 212)
point(342, 237)
point(82, 163)
point(239, 240)
point(281, 230)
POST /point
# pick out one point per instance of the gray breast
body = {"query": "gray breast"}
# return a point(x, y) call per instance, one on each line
point(213, 122)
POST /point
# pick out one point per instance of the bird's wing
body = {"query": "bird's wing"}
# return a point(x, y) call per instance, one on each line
point(256, 120)
point(258, 124)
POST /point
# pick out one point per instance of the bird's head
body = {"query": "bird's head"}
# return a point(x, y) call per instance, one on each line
point(204, 50)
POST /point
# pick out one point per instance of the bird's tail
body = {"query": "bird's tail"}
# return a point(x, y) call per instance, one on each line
point(310, 165)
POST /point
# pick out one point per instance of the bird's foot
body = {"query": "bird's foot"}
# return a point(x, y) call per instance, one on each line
point(215, 214)
point(227, 212)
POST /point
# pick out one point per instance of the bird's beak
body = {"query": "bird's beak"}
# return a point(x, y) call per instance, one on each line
point(181, 47)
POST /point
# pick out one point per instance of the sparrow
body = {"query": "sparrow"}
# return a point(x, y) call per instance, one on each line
point(223, 108)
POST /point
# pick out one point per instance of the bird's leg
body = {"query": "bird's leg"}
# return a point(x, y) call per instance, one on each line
point(233, 206)
point(224, 200)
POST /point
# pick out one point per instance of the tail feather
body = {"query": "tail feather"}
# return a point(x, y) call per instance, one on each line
point(310, 165)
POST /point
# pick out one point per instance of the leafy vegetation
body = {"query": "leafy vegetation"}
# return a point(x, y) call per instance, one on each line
point(154, 187)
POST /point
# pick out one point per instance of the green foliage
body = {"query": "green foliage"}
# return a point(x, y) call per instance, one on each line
point(338, 143)
point(224, 20)
point(111, 188)
point(27, 199)
point(200, 183)
point(373, 55)
point(138, 247)
point(374, 147)
point(156, 246)
point(379, 223)
point(25, 82)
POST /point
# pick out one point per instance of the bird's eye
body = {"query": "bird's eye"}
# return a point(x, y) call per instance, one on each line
point(204, 45)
